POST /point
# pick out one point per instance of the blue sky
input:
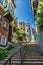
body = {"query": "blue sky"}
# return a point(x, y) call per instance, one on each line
point(23, 12)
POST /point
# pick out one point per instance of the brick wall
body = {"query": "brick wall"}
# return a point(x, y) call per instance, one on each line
point(2, 30)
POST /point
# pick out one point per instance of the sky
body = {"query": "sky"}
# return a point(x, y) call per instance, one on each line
point(23, 11)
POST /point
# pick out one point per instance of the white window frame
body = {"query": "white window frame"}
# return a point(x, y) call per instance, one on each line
point(5, 4)
point(2, 40)
point(6, 24)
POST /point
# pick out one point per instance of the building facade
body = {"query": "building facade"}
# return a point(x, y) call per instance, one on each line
point(25, 28)
point(21, 26)
point(6, 19)
point(34, 5)
point(28, 29)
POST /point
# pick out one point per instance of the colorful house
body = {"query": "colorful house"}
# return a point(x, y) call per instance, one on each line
point(28, 29)
point(21, 26)
point(25, 28)
point(6, 21)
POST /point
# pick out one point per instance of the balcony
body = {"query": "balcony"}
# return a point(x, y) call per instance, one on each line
point(9, 12)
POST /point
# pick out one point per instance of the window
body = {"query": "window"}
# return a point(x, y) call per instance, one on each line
point(27, 30)
point(6, 25)
point(5, 4)
point(0, 17)
point(11, 8)
point(3, 40)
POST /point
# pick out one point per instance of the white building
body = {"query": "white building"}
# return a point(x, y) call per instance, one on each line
point(28, 29)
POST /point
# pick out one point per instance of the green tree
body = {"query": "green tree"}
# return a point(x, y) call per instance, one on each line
point(24, 35)
point(40, 26)
point(16, 32)
point(40, 15)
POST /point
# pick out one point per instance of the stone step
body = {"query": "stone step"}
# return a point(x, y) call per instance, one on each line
point(31, 61)
point(14, 62)
point(27, 59)
point(36, 62)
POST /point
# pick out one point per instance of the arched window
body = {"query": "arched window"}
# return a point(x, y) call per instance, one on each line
point(3, 40)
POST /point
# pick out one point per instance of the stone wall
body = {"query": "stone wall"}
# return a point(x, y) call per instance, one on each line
point(40, 40)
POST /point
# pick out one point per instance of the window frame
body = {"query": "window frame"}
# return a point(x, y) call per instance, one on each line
point(6, 25)
point(5, 4)
point(5, 41)
point(0, 17)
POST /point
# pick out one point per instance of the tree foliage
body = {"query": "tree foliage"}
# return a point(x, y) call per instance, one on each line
point(17, 31)
point(40, 15)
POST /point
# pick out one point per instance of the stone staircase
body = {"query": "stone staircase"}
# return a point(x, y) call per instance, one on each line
point(32, 57)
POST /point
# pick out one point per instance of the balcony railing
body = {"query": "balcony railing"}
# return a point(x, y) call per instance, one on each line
point(7, 7)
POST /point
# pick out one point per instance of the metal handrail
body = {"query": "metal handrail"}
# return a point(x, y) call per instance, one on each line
point(10, 55)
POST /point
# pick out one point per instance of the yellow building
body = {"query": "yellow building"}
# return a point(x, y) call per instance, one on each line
point(21, 25)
